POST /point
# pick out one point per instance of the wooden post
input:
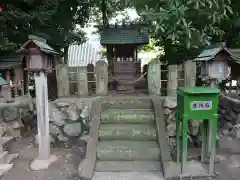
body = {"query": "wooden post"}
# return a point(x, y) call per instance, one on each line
point(172, 83)
point(82, 82)
point(7, 75)
point(101, 78)
point(62, 80)
point(189, 74)
point(154, 77)
point(44, 158)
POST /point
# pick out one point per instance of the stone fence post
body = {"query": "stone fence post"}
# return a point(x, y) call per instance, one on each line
point(101, 78)
point(190, 73)
point(62, 80)
point(172, 83)
point(82, 82)
point(154, 77)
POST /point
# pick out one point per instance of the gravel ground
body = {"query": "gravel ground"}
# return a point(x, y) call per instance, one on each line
point(65, 168)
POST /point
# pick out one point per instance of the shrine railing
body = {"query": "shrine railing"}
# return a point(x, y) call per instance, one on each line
point(82, 81)
point(164, 79)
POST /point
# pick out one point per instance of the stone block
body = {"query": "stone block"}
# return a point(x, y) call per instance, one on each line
point(101, 78)
point(170, 103)
point(129, 116)
point(154, 77)
point(125, 151)
point(127, 132)
point(82, 82)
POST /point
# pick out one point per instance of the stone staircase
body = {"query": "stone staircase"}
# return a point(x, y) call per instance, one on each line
point(127, 147)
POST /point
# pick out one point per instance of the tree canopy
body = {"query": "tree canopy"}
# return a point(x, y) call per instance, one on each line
point(181, 27)
point(54, 20)
point(184, 27)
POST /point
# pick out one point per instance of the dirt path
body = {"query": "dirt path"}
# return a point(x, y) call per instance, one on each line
point(63, 169)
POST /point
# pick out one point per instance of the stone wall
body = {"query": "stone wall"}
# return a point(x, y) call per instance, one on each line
point(229, 116)
point(170, 108)
point(69, 119)
point(16, 115)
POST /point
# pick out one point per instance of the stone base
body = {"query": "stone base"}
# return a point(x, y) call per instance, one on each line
point(10, 157)
point(38, 164)
point(194, 170)
point(5, 168)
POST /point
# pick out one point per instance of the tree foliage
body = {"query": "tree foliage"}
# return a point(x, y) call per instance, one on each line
point(54, 20)
point(182, 27)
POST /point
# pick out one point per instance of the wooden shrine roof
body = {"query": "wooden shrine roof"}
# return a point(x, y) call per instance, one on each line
point(209, 54)
point(124, 34)
point(7, 62)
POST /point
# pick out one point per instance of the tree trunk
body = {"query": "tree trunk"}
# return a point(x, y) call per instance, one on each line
point(104, 12)
point(66, 54)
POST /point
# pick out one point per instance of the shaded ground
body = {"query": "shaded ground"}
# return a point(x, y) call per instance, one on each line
point(68, 159)
point(229, 154)
point(65, 168)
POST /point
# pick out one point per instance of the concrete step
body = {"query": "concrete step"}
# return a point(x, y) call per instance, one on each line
point(127, 103)
point(133, 116)
point(120, 150)
point(127, 166)
point(127, 132)
point(127, 176)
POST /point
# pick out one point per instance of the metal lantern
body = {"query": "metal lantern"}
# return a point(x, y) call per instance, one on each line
point(35, 59)
point(218, 70)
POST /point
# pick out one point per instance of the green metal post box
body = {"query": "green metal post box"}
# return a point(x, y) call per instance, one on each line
point(198, 103)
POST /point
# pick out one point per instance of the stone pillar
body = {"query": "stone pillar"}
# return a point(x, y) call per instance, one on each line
point(82, 82)
point(172, 83)
point(44, 158)
point(101, 78)
point(214, 83)
point(62, 80)
point(154, 77)
point(189, 74)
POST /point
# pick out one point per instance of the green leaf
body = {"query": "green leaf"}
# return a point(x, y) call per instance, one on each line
point(229, 9)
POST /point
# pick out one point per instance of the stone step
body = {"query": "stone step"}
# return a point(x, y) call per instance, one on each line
point(127, 132)
point(7, 139)
point(128, 176)
point(120, 150)
point(6, 158)
point(127, 166)
point(3, 156)
point(133, 116)
point(127, 103)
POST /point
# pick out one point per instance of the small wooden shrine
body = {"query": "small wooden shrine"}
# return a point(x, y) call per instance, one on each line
point(219, 64)
point(12, 70)
point(122, 42)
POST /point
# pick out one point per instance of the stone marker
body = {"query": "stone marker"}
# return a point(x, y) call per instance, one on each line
point(82, 82)
point(101, 78)
point(44, 158)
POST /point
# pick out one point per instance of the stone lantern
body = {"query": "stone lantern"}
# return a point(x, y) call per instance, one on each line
point(38, 62)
